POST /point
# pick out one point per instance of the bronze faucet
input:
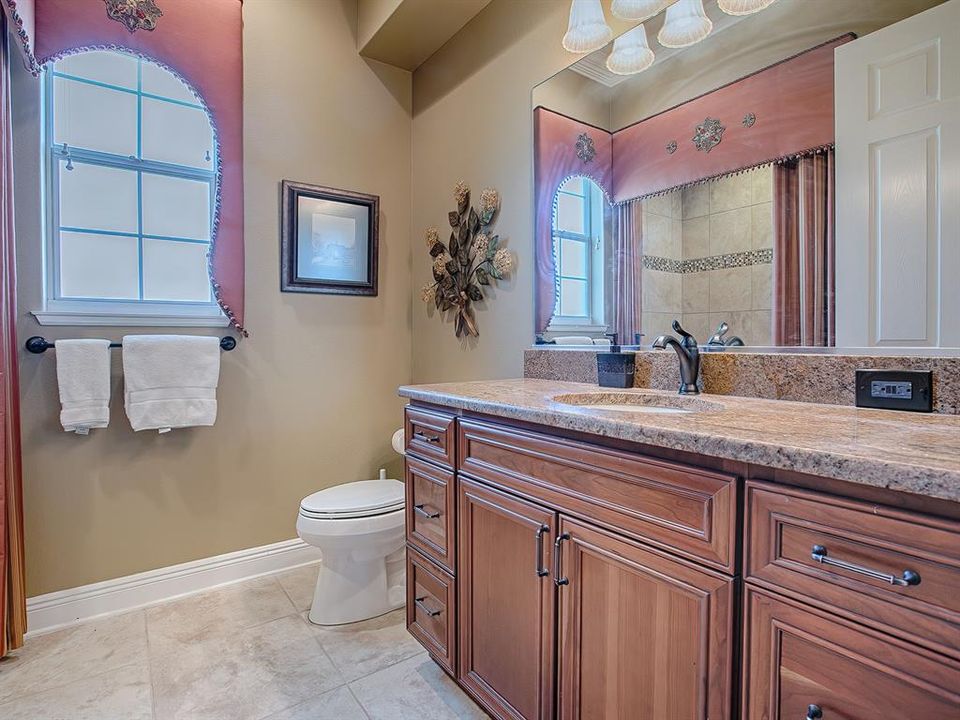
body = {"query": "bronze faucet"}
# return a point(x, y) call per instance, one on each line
point(689, 355)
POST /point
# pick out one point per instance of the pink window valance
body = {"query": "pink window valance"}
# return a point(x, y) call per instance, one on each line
point(563, 148)
point(201, 42)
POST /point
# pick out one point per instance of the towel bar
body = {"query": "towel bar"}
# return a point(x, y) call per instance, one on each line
point(39, 345)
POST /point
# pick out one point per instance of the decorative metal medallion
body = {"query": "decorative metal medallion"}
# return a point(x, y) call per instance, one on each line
point(748, 120)
point(134, 14)
point(708, 135)
point(585, 148)
point(671, 147)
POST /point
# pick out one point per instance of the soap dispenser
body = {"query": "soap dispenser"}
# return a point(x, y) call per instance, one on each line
point(616, 368)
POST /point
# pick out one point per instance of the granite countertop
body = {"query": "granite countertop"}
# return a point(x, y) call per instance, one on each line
point(909, 452)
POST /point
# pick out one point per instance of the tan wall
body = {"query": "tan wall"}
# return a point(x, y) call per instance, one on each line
point(571, 94)
point(309, 400)
point(472, 121)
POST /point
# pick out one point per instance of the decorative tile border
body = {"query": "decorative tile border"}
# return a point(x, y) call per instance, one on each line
point(713, 262)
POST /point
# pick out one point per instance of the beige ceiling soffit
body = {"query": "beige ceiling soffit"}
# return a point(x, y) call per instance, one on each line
point(404, 33)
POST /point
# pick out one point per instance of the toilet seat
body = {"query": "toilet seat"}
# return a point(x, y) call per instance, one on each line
point(363, 499)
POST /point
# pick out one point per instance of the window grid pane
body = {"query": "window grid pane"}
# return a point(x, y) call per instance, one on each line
point(80, 263)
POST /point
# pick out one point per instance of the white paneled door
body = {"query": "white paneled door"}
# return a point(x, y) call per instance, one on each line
point(898, 184)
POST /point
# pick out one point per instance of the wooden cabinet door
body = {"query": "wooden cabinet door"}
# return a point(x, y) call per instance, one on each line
point(642, 635)
point(800, 663)
point(507, 602)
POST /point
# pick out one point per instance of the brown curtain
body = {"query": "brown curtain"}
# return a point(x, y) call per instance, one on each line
point(13, 608)
point(627, 266)
point(803, 252)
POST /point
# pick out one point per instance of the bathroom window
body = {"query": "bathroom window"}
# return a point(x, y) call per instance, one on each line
point(578, 242)
point(130, 194)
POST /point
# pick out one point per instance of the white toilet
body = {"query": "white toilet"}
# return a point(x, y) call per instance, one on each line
point(359, 530)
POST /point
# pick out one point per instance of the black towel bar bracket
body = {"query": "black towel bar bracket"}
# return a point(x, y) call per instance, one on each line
point(39, 345)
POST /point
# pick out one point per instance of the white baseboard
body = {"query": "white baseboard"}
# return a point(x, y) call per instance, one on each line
point(67, 607)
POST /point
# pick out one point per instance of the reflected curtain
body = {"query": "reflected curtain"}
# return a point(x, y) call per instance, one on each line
point(627, 269)
point(13, 608)
point(803, 253)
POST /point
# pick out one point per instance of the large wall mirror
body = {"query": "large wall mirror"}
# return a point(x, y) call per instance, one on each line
point(751, 185)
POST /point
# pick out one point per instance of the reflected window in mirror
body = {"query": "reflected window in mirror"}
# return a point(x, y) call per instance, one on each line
point(579, 246)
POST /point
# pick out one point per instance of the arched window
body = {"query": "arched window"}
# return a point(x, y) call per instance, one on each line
point(579, 248)
point(131, 194)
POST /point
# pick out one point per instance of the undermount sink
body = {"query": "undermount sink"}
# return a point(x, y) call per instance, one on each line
point(650, 403)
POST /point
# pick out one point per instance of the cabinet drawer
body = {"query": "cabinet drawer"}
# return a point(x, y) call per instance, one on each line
point(867, 554)
point(430, 507)
point(796, 657)
point(429, 435)
point(431, 608)
point(686, 510)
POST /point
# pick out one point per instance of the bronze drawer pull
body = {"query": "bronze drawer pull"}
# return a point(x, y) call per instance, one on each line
point(419, 602)
point(556, 560)
point(421, 435)
point(419, 510)
point(814, 712)
point(909, 577)
point(541, 570)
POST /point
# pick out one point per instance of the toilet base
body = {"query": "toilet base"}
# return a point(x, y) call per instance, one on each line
point(350, 590)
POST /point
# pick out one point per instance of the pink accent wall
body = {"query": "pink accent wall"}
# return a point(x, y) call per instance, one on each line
point(555, 160)
point(202, 41)
point(793, 104)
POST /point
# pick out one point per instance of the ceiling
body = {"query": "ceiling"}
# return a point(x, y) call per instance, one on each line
point(404, 33)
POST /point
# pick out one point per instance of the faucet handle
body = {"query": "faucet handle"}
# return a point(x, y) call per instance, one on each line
point(686, 337)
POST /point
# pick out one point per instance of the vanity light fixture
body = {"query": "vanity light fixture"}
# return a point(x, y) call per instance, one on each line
point(587, 30)
point(637, 9)
point(686, 24)
point(631, 52)
point(743, 7)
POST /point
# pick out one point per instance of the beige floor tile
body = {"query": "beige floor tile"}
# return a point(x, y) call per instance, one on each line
point(244, 676)
point(61, 657)
point(362, 648)
point(299, 584)
point(119, 694)
point(415, 689)
point(215, 614)
point(337, 704)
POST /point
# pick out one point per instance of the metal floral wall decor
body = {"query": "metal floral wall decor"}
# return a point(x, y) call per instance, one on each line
point(586, 150)
point(470, 260)
point(134, 14)
point(708, 135)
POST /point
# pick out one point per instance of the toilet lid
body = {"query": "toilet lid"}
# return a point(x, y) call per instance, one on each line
point(367, 497)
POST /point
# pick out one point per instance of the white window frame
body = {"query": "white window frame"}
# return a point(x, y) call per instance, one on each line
point(94, 311)
point(593, 322)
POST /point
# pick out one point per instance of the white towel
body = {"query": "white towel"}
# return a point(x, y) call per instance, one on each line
point(83, 375)
point(170, 381)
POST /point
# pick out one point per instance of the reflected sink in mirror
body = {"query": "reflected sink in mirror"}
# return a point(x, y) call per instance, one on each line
point(649, 403)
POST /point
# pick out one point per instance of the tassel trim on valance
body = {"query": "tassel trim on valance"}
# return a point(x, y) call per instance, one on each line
point(818, 150)
point(30, 60)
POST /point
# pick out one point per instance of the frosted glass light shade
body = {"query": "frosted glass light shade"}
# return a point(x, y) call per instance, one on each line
point(686, 24)
point(631, 52)
point(637, 9)
point(587, 30)
point(743, 7)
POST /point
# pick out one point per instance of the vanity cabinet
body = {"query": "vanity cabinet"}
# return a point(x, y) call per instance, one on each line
point(556, 578)
point(507, 601)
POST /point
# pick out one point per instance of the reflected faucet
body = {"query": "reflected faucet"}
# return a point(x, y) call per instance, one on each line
point(718, 339)
point(689, 355)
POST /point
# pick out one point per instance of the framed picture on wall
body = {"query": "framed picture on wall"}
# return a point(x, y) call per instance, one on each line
point(329, 240)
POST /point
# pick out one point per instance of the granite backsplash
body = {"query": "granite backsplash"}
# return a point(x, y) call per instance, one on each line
point(826, 378)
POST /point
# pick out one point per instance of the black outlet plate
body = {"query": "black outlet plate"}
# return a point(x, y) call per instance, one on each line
point(895, 390)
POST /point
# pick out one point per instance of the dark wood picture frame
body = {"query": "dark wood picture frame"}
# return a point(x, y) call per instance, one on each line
point(290, 279)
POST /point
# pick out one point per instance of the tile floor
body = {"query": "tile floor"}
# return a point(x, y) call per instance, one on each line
point(242, 652)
